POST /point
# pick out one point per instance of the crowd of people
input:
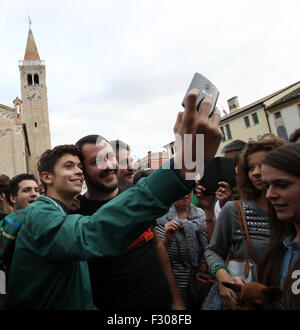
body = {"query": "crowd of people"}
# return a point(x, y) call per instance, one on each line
point(133, 239)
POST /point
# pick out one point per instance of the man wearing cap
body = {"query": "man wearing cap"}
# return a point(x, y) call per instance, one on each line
point(233, 148)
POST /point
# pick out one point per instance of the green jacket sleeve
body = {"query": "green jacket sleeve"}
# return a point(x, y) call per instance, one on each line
point(50, 233)
point(9, 231)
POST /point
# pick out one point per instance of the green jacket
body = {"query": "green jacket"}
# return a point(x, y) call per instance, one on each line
point(9, 231)
point(49, 269)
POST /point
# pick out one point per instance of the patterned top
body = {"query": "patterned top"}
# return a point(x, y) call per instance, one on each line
point(258, 224)
point(227, 234)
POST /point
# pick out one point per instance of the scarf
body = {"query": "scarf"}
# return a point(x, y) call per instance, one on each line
point(192, 227)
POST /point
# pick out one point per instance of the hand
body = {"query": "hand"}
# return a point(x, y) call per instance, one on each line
point(170, 230)
point(229, 297)
point(239, 281)
point(206, 201)
point(75, 205)
point(223, 193)
point(190, 124)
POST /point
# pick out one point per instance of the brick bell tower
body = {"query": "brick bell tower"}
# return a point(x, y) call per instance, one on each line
point(34, 104)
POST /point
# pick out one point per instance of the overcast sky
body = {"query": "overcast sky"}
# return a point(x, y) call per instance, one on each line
point(121, 68)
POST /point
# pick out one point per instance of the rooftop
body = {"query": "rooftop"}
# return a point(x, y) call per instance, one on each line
point(286, 98)
point(251, 105)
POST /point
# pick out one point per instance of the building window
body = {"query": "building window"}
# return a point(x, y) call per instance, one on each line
point(255, 118)
point(224, 137)
point(35, 124)
point(246, 121)
point(229, 136)
point(250, 139)
point(29, 79)
point(277, 115)
point(36, 79)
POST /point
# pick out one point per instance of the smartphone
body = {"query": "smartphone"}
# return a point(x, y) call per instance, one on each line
point(205, 87)
point(219, 169)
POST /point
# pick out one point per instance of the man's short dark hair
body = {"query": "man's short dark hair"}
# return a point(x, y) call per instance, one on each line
point(88, 139)
point(50, 157)
point(4, 182)
point(295, 135)
point(119, 145)
point(13, 186)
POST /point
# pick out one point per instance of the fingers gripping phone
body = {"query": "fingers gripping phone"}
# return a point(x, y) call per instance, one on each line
point(205, 88)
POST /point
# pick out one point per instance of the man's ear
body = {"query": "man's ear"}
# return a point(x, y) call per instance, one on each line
point(13, 198)
point(46, 177)
point(2, 196)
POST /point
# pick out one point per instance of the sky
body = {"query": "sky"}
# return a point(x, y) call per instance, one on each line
point(121, 68)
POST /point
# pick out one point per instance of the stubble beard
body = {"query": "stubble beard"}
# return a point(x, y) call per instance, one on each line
point(99, 186)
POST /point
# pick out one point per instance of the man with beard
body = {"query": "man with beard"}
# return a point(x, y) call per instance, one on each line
point(141, 277)
point(125, 161)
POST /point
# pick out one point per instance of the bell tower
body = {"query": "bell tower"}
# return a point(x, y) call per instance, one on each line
point(34, 103)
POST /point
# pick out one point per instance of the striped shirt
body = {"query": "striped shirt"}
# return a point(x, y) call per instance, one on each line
point(178, 249)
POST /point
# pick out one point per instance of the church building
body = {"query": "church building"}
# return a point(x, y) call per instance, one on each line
point(24, 129)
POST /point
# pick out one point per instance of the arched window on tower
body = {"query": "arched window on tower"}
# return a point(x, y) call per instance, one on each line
point(29, 79)
point(36, 79)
